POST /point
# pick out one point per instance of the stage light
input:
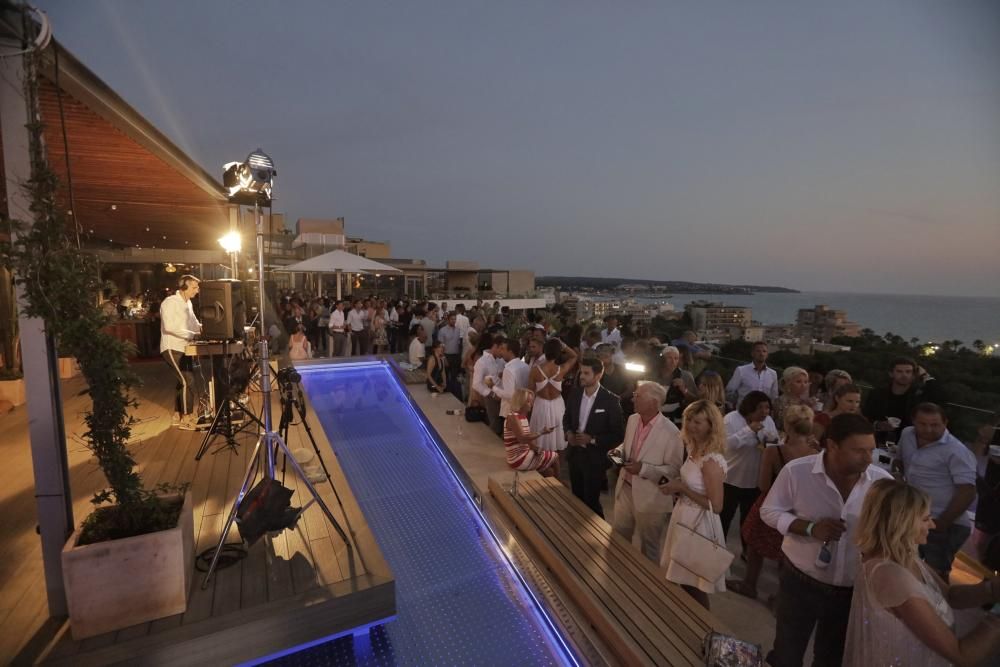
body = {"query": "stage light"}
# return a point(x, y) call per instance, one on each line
point(250, 182)
point(231, 242)
point(633, 367)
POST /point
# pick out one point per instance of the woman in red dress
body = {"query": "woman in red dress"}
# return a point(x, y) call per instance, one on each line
point(761, 540)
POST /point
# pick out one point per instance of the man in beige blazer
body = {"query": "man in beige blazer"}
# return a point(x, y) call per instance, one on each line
point(652, 450)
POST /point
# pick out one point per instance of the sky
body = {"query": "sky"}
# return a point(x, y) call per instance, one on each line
point(836, 146)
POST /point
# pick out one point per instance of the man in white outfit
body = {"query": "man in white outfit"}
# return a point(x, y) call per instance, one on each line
point(178, 325)
point(652, 450)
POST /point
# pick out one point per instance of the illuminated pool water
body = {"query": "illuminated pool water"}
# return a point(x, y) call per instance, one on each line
point(459, 601)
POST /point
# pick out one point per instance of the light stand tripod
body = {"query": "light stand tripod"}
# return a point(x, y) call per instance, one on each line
point(291, 397)
point(268, 442)
point(222, 422)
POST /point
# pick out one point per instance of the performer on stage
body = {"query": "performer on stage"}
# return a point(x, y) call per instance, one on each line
point(178, 325)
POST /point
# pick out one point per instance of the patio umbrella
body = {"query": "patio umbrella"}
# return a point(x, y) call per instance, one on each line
point(338, 261)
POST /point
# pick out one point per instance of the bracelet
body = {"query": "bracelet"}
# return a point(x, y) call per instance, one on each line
point(809, 529)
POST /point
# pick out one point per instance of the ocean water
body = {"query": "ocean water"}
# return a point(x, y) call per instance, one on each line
point(929, 318)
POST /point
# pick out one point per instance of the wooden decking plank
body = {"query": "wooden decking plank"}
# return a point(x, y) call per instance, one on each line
point(652, 615)
point(228, 582)
point(624, 646)
point(627, 611)
point(697, 618)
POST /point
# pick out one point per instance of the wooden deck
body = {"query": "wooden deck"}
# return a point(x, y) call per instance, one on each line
point(299, 586)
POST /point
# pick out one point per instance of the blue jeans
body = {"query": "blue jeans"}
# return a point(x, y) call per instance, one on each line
point(804, 605)
point(941, 547)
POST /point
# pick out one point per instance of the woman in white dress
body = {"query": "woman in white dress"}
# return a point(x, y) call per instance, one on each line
point(901, 612)
point(298, 345)
point(547, 379)
point(700, 489)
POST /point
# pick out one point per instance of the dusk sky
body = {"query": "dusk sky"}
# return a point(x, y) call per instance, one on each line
point(838, 146)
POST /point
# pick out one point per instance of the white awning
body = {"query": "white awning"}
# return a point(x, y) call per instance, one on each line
point(338, 261)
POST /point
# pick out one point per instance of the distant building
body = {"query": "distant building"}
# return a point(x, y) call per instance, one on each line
point(780, 333)
point(823, 324)
point(457, 280)
point(709, 316)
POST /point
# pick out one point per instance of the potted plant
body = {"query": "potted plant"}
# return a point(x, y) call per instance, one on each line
point(131, 559)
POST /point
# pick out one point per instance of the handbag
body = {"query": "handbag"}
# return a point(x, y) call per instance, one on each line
point(724, 651)
point(475, 413)
point(702, 555)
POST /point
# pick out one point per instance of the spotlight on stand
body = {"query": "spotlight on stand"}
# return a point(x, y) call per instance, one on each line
point(250, 182)
point(265, 507)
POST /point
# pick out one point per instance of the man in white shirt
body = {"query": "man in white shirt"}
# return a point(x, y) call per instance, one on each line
point(418, 349)
point(485, 376)
point(755, 376)
point(461, 319)
point(815, 503)
point(515, 375)
point(451, 337)
point(338, 335)
point(356, 328)
point(178, 325)
point(749, 429)
point(611, 334)
point(651, 449)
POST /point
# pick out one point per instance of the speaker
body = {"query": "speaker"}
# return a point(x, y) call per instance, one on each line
point(223, 310)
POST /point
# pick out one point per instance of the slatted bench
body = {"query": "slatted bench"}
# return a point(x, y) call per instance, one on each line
point(641, 617)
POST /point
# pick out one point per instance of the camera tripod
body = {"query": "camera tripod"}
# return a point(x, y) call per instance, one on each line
point(291, 397)
point(268, 442)
point(222, 422)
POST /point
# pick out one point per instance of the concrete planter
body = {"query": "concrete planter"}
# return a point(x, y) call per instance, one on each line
point(112, 585)
point(13, 391)
point(68, 368)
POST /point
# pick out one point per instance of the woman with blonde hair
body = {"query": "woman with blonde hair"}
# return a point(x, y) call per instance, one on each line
point(901, 612)
point(700, 489)
point(794, 391)
point(712, 389)
point(520, 443)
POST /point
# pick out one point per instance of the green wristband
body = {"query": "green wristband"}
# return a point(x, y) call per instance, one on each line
point(809, 529)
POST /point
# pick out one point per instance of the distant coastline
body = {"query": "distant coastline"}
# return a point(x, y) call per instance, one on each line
point(673, 286)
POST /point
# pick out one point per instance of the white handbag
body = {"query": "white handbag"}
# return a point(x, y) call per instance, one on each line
point(704, 556)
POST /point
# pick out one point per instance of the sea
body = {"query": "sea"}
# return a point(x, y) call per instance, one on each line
point(929, 318)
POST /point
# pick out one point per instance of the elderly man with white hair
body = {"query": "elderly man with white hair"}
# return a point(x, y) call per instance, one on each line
point(652, 451)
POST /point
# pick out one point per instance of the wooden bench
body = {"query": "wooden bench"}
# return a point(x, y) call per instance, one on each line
point(641, 617)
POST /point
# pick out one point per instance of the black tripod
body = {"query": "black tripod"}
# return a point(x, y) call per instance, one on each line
point(222, 422)
point(292, 397)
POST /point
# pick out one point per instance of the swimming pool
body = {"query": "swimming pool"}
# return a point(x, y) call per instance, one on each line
point(459, 600)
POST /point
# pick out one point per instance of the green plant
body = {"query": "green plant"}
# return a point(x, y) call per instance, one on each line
point(61, 286)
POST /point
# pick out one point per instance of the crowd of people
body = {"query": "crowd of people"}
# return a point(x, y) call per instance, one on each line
point(863, 551)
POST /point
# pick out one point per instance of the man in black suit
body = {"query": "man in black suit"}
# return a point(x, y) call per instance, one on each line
point(593, 425)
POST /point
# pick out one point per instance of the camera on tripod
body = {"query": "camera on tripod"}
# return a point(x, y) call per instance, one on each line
point(288, 376)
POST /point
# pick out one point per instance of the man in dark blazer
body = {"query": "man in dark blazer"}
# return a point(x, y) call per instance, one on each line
point(594, 426)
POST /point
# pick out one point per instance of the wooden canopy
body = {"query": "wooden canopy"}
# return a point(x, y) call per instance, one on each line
point(132, 186)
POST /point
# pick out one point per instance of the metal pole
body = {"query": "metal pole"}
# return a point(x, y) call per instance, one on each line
point(265, 362)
